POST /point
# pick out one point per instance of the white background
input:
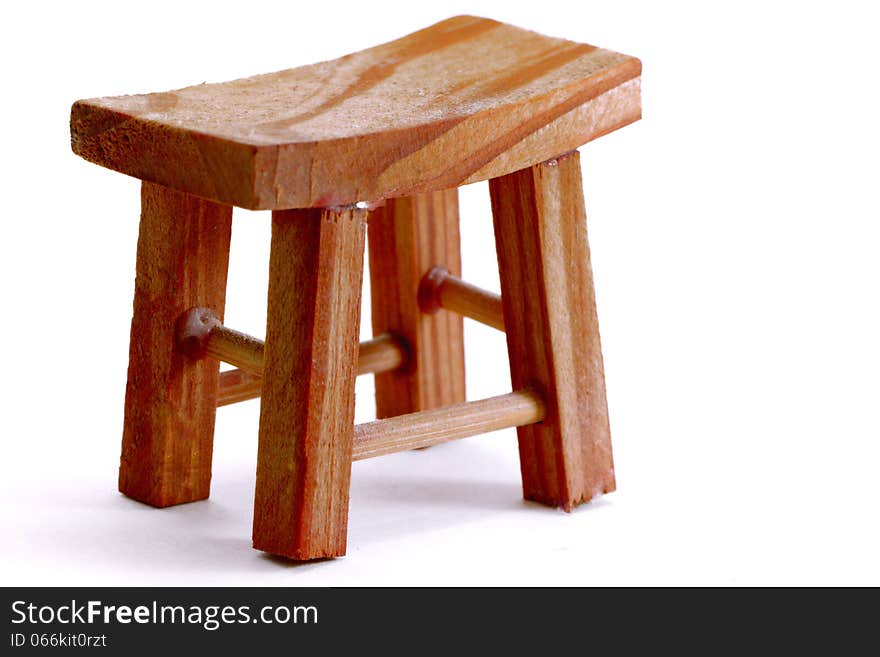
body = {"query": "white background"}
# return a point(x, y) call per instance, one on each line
point(734, 234)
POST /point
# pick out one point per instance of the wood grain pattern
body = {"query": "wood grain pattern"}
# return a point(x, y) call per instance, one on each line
point(440, 289)
point(464, 100)
point(552, 330)
point(307, 410)
point(440, 425)
point(380, 354)
point(170, 399)
point(383, 353)
point(236, 348)
point(200, 333)
point(238, 386)
point(408, 236)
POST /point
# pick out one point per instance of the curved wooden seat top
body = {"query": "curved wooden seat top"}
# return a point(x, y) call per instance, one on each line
point(461, 101)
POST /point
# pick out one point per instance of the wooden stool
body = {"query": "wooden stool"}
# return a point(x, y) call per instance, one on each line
point(383, 136)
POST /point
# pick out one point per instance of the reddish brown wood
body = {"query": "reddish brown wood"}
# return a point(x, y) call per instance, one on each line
point(201, 334)
point(307, 410)
point(391, 128)
point(238, 386)
point(552, 330)
point(407, 237)
point(381, 354)
point(440, 425)
point(170, 399)
point(464, 100)
point(440, 289)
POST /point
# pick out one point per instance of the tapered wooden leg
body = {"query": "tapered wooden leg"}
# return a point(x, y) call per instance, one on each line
point(307, 411)
point(171, 399)
point(552, 330)
point(407, 237)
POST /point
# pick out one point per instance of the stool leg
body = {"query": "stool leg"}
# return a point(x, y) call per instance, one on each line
point(552, 330)
point(407, 237)
point(171, 399)
point(307, 408)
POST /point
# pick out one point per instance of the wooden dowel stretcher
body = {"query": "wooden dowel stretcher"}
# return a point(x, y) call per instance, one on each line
point(237, 386)
point(441, 425)
point(202, 334)
point(440, 289)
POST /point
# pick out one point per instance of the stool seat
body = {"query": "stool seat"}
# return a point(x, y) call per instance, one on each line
point(464, 100)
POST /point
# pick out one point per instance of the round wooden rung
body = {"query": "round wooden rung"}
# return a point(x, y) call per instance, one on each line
point(441, 289)
point(441, 425)
point(200, 333)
